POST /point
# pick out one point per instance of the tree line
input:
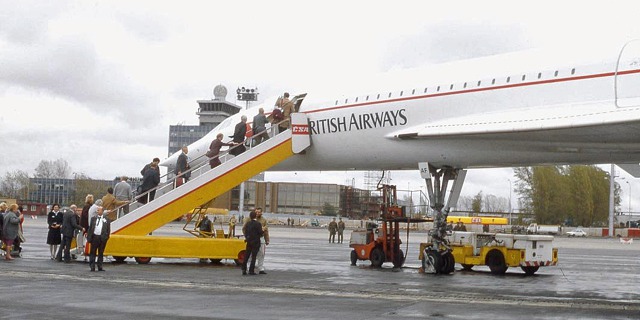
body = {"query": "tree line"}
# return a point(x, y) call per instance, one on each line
point(16, 184)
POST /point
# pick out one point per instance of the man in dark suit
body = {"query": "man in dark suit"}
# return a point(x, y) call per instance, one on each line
point(238, 136)
point(252, 233)
point(98, 234)
point(70, 224)
point(182, 166)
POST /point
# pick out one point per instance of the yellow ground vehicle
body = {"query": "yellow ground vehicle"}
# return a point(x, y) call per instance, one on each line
point(496, 250)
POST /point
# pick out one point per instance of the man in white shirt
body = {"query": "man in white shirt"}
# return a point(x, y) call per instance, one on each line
point(98, 234)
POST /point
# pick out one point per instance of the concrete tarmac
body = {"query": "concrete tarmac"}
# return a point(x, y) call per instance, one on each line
point(309, 278)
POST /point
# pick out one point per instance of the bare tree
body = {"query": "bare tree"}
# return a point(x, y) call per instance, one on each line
point(15, 184)
point(493, 203)
point(53, 169)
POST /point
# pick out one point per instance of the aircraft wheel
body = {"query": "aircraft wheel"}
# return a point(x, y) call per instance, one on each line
point(495, 261)
point(431, 261)
point(143, 260)
point(448, 263)
point(467, 267)
point(119, 259)
point(354, 257)
point(398, 262)
point(530, 270)
point(240, 259)
point(377, 257)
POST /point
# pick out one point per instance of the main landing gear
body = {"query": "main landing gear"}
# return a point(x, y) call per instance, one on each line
point(437, 257)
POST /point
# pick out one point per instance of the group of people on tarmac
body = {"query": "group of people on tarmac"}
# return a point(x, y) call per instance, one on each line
point(11, 219)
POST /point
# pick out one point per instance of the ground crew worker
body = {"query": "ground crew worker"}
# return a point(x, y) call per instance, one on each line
point(333, 227)
point(340, 231)
point(232, 226)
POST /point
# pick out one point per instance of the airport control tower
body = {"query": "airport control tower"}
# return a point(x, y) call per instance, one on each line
point(210, 114)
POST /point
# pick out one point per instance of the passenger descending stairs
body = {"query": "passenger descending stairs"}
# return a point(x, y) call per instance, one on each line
point(129, 233)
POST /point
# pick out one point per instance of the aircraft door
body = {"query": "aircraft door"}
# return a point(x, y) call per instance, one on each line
point(627, 78)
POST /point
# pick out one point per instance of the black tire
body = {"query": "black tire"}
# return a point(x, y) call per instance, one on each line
point(448, 263)
point(431, 261)
point(216, 261)
point(495, 262)
point(398, 262)
point(119, 259)
point(354, 257)
point(143, 260)
point(530, 270)
point(377, 257)
point(467, 267)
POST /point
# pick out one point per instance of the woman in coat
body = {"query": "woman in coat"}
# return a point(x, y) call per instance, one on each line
point(10, 228)
point(54, 237)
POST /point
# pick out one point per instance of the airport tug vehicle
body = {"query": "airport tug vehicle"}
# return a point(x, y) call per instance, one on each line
point(497, 251)
point(381, 244)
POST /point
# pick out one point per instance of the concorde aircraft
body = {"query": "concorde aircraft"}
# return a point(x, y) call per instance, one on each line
point(518, 109)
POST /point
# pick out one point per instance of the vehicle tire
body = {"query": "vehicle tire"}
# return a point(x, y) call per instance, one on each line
point(495, 262)
point(143, 260)
point(240, 259)
point(467, 267)
point(530, 270)
point(570, 236)
point(216, 261)
point(377, 257)
point(354, 257)
point(431, 261)
point(448, 263)
point(398, 262)
point(119, 259)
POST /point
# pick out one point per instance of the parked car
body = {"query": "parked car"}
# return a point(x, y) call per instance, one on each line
point(577, 233)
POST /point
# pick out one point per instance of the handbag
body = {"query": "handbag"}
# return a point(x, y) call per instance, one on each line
point(179, 181)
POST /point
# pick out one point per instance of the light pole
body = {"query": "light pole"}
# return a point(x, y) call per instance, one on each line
point(509, 201)
point(612, 179)
point(629, 207)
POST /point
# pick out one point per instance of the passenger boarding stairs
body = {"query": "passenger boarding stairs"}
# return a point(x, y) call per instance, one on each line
point(205, 184)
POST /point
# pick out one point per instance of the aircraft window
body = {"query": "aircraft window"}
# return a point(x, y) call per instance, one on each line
point(451, 87)
point(465, 85)
point(378, 96)
point(524, 77)
point(573, 71)
point(367, 99)
point(413, 91)
point(539, 75)
point(479, 83)
point(401, 93)
point(336, 102)
point(346, 100)
point(508, 79)
point(425, 90)
point(389, 94)
point(356, 99)
point(556, 73)
point(493, 81)
point(438, 89)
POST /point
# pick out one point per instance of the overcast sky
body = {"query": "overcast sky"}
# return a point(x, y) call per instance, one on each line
point(99, 82)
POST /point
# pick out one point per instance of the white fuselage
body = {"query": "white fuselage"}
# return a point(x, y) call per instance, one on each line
point(536, 115)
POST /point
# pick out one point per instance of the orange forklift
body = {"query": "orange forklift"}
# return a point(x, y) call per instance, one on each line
point(381, 244)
